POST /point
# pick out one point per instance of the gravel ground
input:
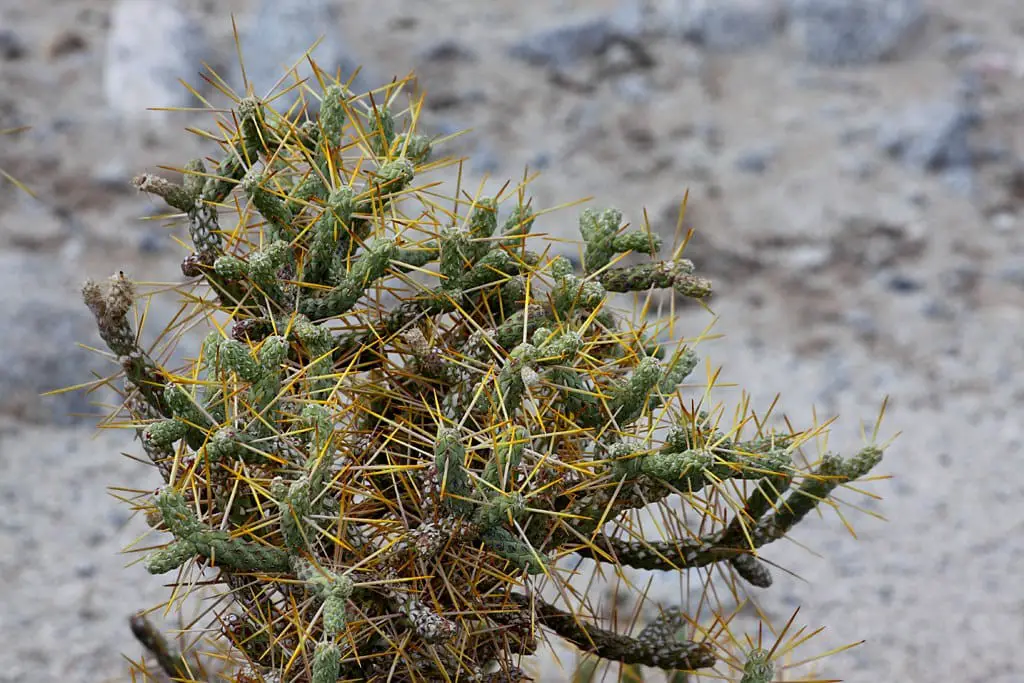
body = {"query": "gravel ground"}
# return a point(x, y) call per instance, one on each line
point(856, 182)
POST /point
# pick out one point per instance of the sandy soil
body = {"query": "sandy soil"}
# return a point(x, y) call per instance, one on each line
point(843, 275)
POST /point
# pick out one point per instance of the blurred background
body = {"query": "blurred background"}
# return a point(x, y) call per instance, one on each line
point(855, 171)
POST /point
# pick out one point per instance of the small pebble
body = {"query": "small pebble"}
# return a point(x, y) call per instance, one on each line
point(448, 50)
point(85, 570)
point(11, 46)
point(540, 161)
point(756, 160)
point(152, 242)
point(67, 43)
point(95, 538)
point(919, 198)
point(903, 284)
point(938, 309)
point(405, 23)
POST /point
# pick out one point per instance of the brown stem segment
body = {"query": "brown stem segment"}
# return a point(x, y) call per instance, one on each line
point(660, 275)
point(172, 663)
point(684, 654)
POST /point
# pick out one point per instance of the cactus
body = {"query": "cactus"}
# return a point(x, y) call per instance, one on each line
point(406, 417)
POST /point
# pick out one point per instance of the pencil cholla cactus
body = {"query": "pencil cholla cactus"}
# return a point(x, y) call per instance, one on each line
point(406, 417)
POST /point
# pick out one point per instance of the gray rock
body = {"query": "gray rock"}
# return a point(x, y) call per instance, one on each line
point(932, 137)
point(277, 39)
point(962, 44)
point(731, 25)
point(848, 32)
point(565, 45)
point(151, 45)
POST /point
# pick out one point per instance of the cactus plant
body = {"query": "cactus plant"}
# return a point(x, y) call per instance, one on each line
point(407, 416)
point(7, 176)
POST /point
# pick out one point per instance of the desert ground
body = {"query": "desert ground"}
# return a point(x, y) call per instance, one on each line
point(855, 180)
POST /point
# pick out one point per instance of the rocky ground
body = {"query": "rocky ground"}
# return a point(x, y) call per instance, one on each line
point(855, 172)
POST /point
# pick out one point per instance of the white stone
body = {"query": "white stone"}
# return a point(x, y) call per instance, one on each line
point(152, 45)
